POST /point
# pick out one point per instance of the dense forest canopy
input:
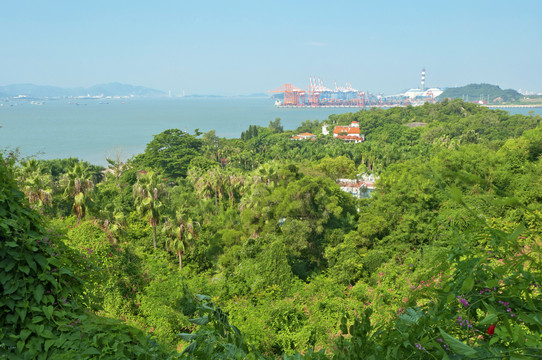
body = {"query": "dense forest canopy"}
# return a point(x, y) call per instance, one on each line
point(211, 248)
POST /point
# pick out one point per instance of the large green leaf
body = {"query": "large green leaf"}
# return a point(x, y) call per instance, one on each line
point(201, 297)
point(24, 334)
point(468, 284)
point(40, 259)
point(187, 337)
point(200, 321)
point(49, 343)
point(489, 319)
point(48, 311)
point(190, 348)
point(458, 346)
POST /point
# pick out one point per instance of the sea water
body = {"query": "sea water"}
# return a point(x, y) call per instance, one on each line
point(93, 130)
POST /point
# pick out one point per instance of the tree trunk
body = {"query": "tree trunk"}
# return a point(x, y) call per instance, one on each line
point(154, 236)
point(180, 260)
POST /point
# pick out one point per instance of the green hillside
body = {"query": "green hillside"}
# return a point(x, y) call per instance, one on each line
point(486, 92)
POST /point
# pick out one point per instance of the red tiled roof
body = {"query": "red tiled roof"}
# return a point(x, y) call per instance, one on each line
point(304, 136)
point(349, 137)
point(345, 129)
point(368, 184)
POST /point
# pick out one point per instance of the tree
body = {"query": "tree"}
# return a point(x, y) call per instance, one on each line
point(170, 153)
point(35, 184)
point(275, 126)
point(211, 144)
point(252, 132)
point(181, 233)
point(267, 173)
point(148, 192)
point(113, 220)
point(309, 126)
point(77, 185)
point(336, 168)
point(115, 167)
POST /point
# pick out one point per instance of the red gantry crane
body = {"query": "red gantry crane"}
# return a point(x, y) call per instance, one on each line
point(292, 96)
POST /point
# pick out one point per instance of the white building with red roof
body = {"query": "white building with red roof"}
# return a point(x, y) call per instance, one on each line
point(349, 133)
point(304, 136)
point(360, 188)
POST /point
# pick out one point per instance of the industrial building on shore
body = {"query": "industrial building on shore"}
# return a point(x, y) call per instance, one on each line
point(318, 95)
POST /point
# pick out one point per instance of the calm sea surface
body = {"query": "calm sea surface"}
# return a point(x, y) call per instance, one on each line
point(93, 130)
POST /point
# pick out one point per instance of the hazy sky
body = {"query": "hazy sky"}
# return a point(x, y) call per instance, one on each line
point(243, 47)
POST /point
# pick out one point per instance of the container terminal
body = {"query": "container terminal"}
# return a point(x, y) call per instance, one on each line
point(318, 95)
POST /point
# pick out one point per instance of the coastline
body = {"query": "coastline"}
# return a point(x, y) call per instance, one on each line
point(519, 106)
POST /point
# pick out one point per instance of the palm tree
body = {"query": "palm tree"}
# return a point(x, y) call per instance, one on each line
point(147, 193)
point(35, 184)
point(268, 173)
point(115, 167)
point(113, 220)
point(234, 185)
point(180, 233)
point(77, 185)
point(208, 184)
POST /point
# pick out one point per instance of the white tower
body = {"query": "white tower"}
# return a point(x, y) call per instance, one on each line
point(423, 79)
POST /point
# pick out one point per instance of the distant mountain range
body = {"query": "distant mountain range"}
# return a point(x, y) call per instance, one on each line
point(255, 95)
point(43, 91)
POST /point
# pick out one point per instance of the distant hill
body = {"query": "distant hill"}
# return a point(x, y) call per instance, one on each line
point(118, 89)
point(202, 96)
point(481, 92)
point(44, 91)
point(255, 95)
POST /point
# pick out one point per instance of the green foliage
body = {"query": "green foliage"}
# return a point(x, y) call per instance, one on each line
point(475, 296)
point(261, 226)
point(313, 127)
point(35, 184)
point(339, 167)
point(57, 168)
point(275, 126)
point(216, 338)
point(40, 312)
point(77, 187)
point(169, 153)
point(148, 193)
point(202, 163)
point(251, 132)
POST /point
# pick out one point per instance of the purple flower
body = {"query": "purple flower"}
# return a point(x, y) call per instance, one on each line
point(463, 301)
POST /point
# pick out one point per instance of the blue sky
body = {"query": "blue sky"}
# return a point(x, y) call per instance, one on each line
point(243, 47)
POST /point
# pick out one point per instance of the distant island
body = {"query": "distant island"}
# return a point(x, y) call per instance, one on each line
point(97, 91)
point(489, 95)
